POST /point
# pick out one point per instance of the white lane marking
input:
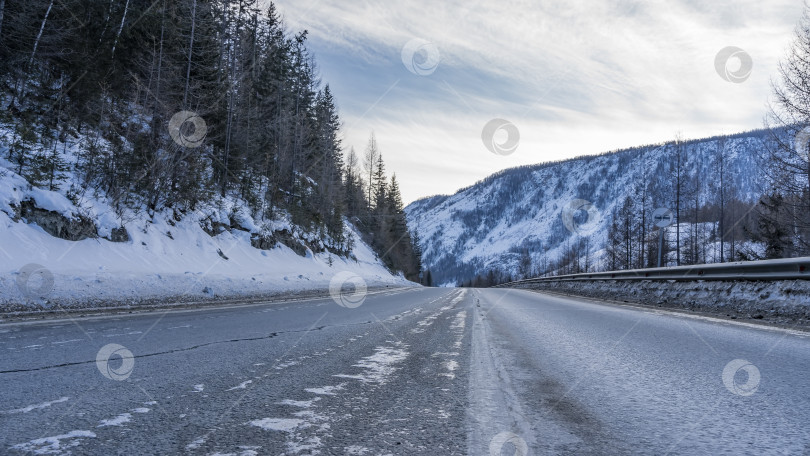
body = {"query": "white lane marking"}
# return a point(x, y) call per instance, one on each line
point(178, 327)
point(59, 342)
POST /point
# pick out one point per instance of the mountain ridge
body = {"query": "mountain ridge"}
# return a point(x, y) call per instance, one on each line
point(478, 228)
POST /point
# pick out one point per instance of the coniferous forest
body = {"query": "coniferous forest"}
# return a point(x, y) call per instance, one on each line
point(185, 102)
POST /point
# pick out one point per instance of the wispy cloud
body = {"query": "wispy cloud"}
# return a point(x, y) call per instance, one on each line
point(576, 77)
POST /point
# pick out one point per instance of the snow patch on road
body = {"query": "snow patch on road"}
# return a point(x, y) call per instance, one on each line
point(287, 364)
point(117, 421)
point(423, 325)
point(302, 404)
point(54, 444)
point(457, 327)
point(243, 451)
point(241, 386)
point(278, 424)
point(29, 408)
point(451, 367)
point(325, 390)
point(379, 366)
point(196, 443)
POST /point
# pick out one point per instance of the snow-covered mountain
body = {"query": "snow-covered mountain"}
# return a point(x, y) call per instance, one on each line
point(543, 208)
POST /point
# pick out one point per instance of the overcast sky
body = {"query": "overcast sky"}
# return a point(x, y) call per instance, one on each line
point(573, 76)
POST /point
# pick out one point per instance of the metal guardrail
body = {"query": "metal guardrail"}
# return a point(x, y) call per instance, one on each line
point(784, 269)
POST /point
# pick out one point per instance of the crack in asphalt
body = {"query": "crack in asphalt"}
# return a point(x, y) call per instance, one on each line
point(167, 352)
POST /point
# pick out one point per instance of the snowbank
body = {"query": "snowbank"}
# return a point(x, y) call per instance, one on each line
point(784, 302)
point(161, 261)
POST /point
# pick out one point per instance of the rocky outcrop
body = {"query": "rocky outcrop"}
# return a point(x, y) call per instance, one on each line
point(56, 224)
point(74, 228)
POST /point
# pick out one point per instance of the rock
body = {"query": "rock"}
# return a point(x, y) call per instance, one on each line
point(263, 241)
point(56, 224)
point(119, 235)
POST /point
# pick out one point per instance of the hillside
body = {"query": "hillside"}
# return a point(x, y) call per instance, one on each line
point(178, 149)
point(63, 252)
point(534, 219)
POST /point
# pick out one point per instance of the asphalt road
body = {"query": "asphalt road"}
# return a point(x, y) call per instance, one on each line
point(408, 372)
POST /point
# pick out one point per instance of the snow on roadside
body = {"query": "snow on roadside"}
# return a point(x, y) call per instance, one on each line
point(164, 261)
point(783, 301)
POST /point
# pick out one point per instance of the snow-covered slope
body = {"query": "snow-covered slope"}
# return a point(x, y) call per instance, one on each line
point(124, 256)
point(486, 226)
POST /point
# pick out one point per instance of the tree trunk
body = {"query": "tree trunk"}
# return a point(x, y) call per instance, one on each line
point(2, 8)
point(120, 27)
point(190, 50)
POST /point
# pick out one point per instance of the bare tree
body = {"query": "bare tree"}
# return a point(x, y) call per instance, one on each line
point(721, 171)
point(120, 27)
point(788, 155)
point(678, 187)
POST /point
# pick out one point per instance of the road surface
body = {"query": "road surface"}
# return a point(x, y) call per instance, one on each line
point(408, 372)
